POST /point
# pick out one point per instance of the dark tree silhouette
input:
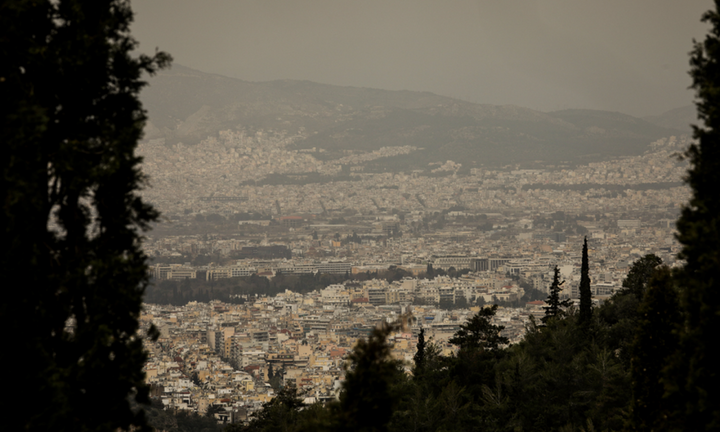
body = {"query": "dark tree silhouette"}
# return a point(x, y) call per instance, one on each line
point(479, 332)
point(366, 403)
point(585, 292)
point(640, 274)
point(699, 233)
point(419, 357)
point(280, 414)
point(72, 219)
point(655, 342)
point(554, 305)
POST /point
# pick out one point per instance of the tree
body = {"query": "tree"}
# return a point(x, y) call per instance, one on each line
point(554, 305)
point(419, 357)
point(446, 304)
point(280, 414)
point(640, 274)
point(585, 292)
point(479, 333)
point(655, 342)
point(461, 302)
point(214, 409)
point(72, 218)
point(366, 403)
point(699, 233)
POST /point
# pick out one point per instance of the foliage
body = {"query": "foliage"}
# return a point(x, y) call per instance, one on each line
point(180, 421)
point(72, 218)
point(554, 305)
point(699, 232)
point(585, 292)
point(281, 413)
point(640, 274)
point(366, 402)
point(479, 332)
point(620, 317)
point(419, 357)
point(558, 377)
point(655, 342)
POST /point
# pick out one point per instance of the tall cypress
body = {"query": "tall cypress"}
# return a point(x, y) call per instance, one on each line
point(696, 370)
point(419, 357)
point(585, 293)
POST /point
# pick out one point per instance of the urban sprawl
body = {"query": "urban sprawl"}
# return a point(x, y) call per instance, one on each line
point(462, 239)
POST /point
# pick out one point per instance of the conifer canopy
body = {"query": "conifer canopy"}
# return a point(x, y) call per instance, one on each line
point(72, 219)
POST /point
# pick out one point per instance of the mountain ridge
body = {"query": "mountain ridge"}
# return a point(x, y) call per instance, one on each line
point(185, 105)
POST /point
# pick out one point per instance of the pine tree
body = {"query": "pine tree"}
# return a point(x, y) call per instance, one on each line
point(480, 333)
point(699, 233)
point(72, 218)
point(554, 305)
point(585, 292)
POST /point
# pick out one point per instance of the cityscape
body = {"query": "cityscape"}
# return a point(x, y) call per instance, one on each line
point(493, 235)
point(378, 216)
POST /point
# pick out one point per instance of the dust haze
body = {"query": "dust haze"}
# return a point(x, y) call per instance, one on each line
point(548, 55)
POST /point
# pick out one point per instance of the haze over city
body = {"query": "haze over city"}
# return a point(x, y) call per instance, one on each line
point(616, 55)
point(334, 215)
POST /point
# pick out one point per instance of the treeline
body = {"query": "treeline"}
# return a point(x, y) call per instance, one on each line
point(233, 290)
point(568, 373)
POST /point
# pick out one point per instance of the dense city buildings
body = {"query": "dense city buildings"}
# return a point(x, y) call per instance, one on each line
point(377, 247)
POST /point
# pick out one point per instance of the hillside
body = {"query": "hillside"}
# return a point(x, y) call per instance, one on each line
point(188, 106)
point(678, 118)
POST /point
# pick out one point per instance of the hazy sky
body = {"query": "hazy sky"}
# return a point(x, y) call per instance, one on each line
point(620, 55)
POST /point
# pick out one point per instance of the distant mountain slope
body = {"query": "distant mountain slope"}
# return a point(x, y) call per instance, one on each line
point(678, 118)
point(187, 105)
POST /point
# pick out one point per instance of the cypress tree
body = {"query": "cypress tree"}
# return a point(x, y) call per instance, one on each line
point(72, 217)
point(419, 357)
point(585, 293)
point(696, 370)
